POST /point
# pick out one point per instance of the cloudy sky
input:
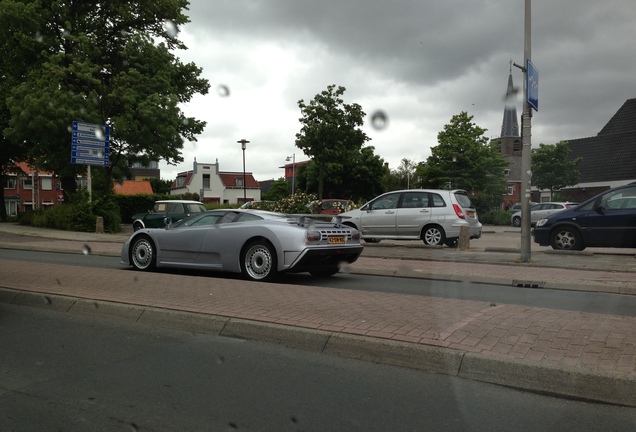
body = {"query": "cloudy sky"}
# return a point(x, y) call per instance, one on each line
point(419, 62)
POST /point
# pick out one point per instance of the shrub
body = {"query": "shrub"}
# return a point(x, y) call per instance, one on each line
point(496, 217)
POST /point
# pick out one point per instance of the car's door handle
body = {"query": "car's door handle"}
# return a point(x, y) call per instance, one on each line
point(424, 211)
point(389, 212)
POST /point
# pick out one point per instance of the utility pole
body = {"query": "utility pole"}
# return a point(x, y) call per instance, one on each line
point(526, 147)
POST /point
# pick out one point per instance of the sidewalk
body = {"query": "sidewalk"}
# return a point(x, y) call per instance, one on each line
point(567, 353)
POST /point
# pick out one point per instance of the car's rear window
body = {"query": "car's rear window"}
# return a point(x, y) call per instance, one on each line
point(196, 208)
point(463, 200)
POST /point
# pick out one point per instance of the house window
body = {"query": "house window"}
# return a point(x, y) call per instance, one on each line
point(206, 181)
point(511, 190)
point(506, 172)
point(10, 182)
point(46, 183)
point(239, 181)
point(27, 183)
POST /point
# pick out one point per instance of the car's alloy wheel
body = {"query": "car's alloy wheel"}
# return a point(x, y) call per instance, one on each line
point(566, 238)
point(516, 221)
point(433, 236)
point(142, 253)
point(259, 261)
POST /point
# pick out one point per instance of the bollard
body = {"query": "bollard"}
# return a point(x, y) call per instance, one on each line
point(464, 238)
point(99, 225)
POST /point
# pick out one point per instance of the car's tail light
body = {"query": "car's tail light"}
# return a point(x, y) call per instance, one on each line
point(458, 211)
point(312, 235)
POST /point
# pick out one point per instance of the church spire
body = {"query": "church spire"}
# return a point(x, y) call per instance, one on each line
point(510, 126)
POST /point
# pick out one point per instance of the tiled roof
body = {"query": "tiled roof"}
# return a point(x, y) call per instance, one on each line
point(133, 187)
point(229, 180)
point(611, 155)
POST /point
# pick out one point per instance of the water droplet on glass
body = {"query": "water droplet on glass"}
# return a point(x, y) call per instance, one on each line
point(99, 134)
point(171, 29)
point(86, 249)
point(512, 96)
point(379, 120)
point(223, 90)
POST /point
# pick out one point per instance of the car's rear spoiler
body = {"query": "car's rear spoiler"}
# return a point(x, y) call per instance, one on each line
point(302, 218)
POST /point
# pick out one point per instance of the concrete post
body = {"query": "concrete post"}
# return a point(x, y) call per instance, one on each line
point(464, 238)
point(99, 225)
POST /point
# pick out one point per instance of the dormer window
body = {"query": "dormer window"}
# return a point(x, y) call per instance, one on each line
point(506, 172)
point(238, 181)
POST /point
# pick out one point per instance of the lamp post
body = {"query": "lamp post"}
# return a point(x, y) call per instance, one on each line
point(243, 143)
point(293, 159)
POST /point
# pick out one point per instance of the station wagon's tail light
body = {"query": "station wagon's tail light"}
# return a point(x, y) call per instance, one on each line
point(458, 211)
point(312, 235)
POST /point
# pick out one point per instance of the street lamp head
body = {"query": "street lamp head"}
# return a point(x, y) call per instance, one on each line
point(243, 142)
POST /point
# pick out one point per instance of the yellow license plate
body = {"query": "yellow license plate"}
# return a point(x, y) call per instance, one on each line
point(337, 240)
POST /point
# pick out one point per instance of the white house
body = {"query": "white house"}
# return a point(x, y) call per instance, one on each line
point(212, 185)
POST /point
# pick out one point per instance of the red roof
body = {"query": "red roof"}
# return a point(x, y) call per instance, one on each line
point(133, 187)
point(229, 180)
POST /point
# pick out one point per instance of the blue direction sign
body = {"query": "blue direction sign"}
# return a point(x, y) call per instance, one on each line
point(532, 85)
point(90, 144)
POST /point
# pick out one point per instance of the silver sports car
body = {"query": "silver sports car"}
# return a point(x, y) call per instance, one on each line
point(258, 244)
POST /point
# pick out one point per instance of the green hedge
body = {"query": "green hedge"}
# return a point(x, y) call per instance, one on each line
point(497, 217)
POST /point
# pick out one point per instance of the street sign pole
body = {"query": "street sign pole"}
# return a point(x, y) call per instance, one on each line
point(90, 145)
point(526, 147)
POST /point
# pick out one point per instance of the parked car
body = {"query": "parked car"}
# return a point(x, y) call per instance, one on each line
point(433, 216)
point(330, 206)
point(541, 210)
point(256, 243)
point(175, 209)
point(607, 220)
point(517, 207)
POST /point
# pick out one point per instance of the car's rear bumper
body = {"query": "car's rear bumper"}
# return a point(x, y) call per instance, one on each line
point(321, 258)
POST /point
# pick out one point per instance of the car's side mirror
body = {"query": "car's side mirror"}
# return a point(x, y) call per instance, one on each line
point(600, 209)
point(167, 222)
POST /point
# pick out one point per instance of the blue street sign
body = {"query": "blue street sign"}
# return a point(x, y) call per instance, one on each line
point(90, 144)
point(532, 85)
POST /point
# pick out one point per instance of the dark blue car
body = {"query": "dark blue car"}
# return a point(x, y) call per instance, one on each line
point(607, 220)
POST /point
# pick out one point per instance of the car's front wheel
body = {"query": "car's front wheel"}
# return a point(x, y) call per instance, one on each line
point(433, 235)
point(143, 254)
point(516, 221)
point(258, 261)
point(566, 238)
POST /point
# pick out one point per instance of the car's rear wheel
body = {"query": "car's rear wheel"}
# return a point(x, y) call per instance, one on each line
point(325, 272)
point(137, 226)
point(433, 235)
point(566, 238)
point(258, 261)
point(143, 254)
point(516, 221)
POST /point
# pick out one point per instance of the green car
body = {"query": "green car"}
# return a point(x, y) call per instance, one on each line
point(175, 209)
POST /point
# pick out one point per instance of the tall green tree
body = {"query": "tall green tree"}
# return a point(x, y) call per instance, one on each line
point(330, 134)
point(465, 159)
point(20, 51)
point(106, 63)
point(552, 169)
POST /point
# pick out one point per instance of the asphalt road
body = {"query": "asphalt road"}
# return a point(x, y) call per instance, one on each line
point(77, 373)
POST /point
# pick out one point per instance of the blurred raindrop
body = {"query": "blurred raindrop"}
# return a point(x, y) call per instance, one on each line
point(171, 29)
point(99, 134)
point(220, 360)
point(86, 249)
point(379, 120)
point(222, 90)
point(512, 97)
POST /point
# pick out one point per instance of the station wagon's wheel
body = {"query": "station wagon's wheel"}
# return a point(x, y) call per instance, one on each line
point(516, 221)
point(433, 235)
point(325, 273)
point(137, 226)
point(143, 253)
point(258, 261)
point(566, 238)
